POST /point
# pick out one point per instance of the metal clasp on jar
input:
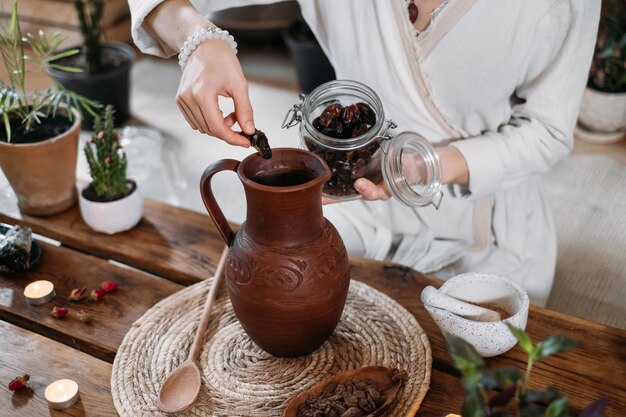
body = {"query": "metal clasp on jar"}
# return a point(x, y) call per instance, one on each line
point(294, 115)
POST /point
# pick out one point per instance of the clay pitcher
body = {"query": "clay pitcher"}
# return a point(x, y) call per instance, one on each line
point(287, 271)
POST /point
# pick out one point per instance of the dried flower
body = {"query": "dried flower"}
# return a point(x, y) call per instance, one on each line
point(109, 286)
point(91, 140)
point(107, 160)
point(77, 294)
point(83, 315)
point(96, 295)
point(59, 312)
point(100, 134)
point(19, 383)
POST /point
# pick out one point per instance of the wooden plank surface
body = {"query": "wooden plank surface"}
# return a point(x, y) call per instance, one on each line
point(111, 317)
point(590, 372)
point(183, 246)
point(45, 360)
point(174, 243)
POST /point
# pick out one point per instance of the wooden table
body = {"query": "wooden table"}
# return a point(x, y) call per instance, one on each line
point(173, 247)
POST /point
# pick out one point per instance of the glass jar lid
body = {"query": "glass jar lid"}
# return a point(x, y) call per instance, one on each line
point(412, 170)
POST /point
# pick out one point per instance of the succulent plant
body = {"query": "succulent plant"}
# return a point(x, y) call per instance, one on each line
point(106, 159)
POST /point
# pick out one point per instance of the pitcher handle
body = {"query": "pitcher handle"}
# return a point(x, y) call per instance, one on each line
point(209, 199)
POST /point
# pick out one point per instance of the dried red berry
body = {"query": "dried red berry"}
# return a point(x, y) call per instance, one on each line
point(77, 294)
point(96, 295)
point(367, 114)
point(83, 315)
point(109, 286)
point(59, 312)
point(19, 382)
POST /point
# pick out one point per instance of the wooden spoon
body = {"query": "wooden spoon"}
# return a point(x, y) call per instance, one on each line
point(182, 386)
point(387, 379)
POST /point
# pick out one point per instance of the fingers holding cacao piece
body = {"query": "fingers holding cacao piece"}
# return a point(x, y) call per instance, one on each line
point(259, 141)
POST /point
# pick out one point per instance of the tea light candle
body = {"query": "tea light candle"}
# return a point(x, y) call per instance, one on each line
point(61, 394)
point(39, 292)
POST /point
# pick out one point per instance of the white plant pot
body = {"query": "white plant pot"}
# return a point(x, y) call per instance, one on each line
point(603, 112)
point(112, 216)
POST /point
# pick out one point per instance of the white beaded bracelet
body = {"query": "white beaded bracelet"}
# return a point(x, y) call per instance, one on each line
point(200, 36)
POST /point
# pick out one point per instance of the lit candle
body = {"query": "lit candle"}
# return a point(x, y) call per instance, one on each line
point(39, 292)
point(61, 394)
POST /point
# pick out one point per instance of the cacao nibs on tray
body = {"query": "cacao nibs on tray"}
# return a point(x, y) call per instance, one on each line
point(259, 141)
point(352, 399)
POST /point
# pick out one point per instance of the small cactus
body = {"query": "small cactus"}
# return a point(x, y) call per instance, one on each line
point(107, 164)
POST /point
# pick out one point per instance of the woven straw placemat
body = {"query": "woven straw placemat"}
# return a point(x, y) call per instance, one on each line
point(240, 379)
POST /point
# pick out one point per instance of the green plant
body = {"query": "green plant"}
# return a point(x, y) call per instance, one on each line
point(108, 164)
point(31, 108)
point(608, 70)
point(512, 385)
point(90, 17)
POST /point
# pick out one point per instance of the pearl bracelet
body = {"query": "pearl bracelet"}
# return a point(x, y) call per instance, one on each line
point(200, 36)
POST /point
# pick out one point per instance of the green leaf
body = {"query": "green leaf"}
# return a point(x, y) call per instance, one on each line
point(65, 68)
point(523, 340)
point(557, 408)
point(500, 378)
point(553, 345)
point(65, 54)
point(7, 125)
point(472, 406)
point(464, 356)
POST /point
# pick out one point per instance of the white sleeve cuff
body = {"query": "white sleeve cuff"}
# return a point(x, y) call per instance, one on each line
point(143, 38)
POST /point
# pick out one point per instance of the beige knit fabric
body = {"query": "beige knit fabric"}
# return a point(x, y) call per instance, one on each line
point(587, 194)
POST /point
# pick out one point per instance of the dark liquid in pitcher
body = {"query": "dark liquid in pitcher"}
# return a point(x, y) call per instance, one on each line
point(283, 178)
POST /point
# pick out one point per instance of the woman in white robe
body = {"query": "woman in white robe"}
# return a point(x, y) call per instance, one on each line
point(495, 85)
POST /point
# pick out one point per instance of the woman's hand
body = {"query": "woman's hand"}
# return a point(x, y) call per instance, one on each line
point(453, 165)
point(213, 70)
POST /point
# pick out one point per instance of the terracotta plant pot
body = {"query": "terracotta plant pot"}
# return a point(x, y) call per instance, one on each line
point(43, 174)
point(112, 217)
point(287, 271)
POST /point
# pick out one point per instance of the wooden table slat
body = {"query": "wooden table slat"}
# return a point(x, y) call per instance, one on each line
point(111, 317)
point(174, 243)
point(592, 371)
point(183, 246)
point(45, 360)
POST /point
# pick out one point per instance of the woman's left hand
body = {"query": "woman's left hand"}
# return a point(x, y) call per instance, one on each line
point(368, 191)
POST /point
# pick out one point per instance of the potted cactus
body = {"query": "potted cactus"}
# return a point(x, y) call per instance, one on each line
point(603, 109)
point(105, 75)
point(38, 130)
point(111, 203)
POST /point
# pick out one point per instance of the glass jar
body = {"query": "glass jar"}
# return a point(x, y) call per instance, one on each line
point(407, 162)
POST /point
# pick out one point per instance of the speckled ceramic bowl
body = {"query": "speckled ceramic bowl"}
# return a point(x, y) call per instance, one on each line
point(488, 338)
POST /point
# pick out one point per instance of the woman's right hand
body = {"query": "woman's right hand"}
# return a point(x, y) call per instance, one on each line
point(212, 71)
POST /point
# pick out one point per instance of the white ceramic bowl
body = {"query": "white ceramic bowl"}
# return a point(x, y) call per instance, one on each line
point(113, 216)
point(488, 338)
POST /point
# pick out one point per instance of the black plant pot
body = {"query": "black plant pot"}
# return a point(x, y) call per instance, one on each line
point(312, 65)
point(109, 86)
